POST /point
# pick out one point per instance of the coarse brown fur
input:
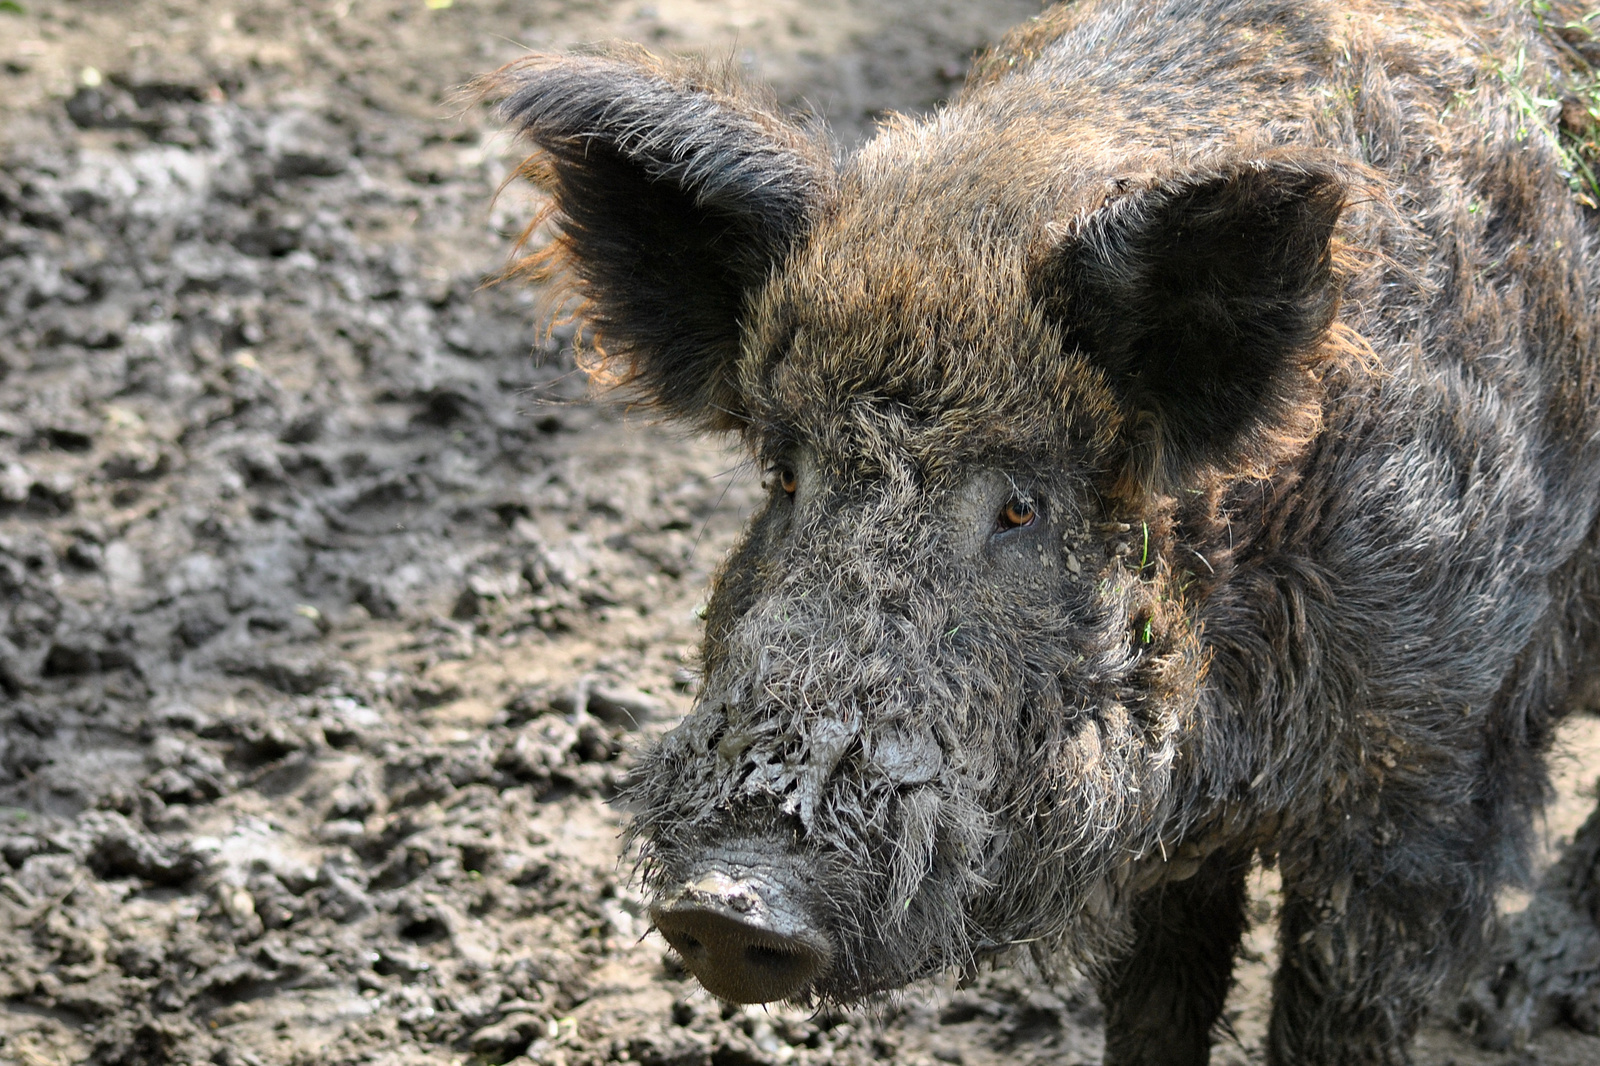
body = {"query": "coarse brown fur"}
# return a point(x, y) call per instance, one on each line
point(1278, 318)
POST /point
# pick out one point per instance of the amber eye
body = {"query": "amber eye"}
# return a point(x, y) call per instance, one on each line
point(1016, 514)
point(787, 481)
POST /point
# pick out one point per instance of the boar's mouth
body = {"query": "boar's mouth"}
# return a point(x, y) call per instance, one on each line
point(743, 934)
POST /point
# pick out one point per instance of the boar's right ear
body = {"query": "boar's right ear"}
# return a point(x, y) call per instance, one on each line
point(1205, 299)
point(673, 192)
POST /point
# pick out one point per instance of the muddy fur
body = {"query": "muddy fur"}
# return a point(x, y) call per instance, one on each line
point(1279, 318)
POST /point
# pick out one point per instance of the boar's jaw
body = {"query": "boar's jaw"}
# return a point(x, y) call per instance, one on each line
point(743, 933)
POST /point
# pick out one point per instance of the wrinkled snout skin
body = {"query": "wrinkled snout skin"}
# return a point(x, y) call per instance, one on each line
point(1182, 451)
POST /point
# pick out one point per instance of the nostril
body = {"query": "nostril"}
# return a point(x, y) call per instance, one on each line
point(761, 957)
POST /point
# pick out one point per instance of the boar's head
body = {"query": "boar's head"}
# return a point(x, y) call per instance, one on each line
point(944, 710)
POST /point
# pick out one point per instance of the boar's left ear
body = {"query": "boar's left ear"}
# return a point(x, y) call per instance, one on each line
point(1204, 299)
point(673, 192)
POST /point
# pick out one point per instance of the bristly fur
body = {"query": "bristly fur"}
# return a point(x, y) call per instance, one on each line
point(1281, 324)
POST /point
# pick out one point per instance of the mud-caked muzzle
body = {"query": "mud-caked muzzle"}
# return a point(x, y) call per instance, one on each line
point(744, 934)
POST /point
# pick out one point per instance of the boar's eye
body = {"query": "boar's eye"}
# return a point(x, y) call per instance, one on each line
point(784, 478)
point(1016, 514)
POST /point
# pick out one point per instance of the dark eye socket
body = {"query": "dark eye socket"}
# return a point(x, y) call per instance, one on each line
point(1016, 514)
point(785, 478)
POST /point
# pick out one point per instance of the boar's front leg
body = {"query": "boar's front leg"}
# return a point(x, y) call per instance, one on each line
point(1163, 999)
point(1366, 943)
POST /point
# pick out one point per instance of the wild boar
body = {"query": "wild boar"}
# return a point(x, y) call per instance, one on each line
point(1182, 451)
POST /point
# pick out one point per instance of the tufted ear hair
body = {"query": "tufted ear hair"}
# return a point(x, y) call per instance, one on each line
point(1205, 299)
point(674, 191)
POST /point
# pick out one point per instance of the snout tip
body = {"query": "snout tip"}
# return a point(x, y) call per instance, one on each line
point(737, 961)
point(744, 945)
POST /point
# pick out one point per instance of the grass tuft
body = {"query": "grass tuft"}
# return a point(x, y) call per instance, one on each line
point(1566, 112)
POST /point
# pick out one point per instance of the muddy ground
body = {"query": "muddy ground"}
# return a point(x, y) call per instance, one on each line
point(330, 611)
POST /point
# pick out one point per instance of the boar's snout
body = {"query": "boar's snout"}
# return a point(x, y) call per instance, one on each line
point(746, 938)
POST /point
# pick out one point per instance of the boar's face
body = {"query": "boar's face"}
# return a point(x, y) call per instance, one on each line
point(949, 669)
point(922, 733)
